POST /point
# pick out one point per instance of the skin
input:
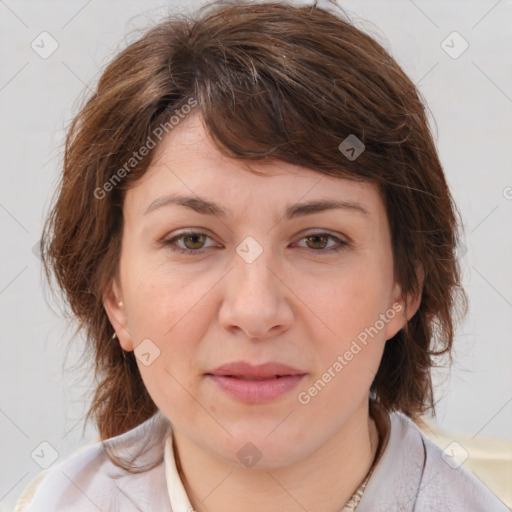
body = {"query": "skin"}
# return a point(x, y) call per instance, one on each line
point(299, 303)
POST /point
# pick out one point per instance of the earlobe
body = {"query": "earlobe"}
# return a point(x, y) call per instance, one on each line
point(114, 307)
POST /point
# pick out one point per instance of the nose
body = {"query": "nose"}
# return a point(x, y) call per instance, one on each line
point(256, 299)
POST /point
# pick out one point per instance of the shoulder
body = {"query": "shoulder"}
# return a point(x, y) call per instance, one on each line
point(445, 480)
point(111, 475)
point(414, 474)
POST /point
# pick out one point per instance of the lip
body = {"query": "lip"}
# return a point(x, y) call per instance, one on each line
point(256, 384)
point(244, 369)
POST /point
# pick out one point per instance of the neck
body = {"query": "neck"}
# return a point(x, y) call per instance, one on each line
point(325, 480)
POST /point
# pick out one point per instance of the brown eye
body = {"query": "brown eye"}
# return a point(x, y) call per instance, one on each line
point(319, 242)
point(193, 242)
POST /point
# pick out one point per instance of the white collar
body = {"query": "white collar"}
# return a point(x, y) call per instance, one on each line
point(177, 494)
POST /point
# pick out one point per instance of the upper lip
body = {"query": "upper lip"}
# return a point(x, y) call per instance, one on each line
point(244, 369)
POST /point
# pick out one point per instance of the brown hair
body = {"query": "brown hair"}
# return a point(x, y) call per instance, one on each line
point(272, 80)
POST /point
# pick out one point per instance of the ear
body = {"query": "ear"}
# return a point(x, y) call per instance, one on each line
point(406, 308)
point(115, 309)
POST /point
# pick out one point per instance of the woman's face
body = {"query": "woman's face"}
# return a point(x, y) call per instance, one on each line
point(268, 278)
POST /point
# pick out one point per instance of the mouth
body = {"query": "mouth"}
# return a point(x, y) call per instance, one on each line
point(256, 384)
point(244, 377)
point(245, 370)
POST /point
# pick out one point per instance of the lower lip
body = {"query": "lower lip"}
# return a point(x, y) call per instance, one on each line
point(257, 391)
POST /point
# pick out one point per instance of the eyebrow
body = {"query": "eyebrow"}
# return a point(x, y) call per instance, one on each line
point(205, 207)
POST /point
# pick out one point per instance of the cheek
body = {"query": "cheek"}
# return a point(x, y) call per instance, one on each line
point(351, 336)
point(159, 296)
point(349, 346)
point(164, 321)
point(171, 379)
point(351, 302)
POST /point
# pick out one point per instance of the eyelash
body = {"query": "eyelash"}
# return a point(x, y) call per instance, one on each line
point(169, 242)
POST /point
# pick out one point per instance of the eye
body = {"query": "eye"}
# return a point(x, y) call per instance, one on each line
point(192, 240)
point(318, 242)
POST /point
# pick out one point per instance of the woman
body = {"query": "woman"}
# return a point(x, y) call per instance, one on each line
point(254, 228)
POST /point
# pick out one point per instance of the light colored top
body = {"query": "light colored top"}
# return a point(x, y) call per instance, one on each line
point(178, 496)
point(410, 474)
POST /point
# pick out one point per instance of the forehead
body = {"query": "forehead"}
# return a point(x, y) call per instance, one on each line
point(187, 163)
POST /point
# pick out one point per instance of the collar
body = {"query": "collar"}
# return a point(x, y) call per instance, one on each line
point(177, 493)
point(141, 450)
point(395, 479)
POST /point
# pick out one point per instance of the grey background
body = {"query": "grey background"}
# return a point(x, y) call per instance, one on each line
point(470, 100)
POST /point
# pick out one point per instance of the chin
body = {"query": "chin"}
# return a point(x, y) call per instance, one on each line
point(258, 450)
